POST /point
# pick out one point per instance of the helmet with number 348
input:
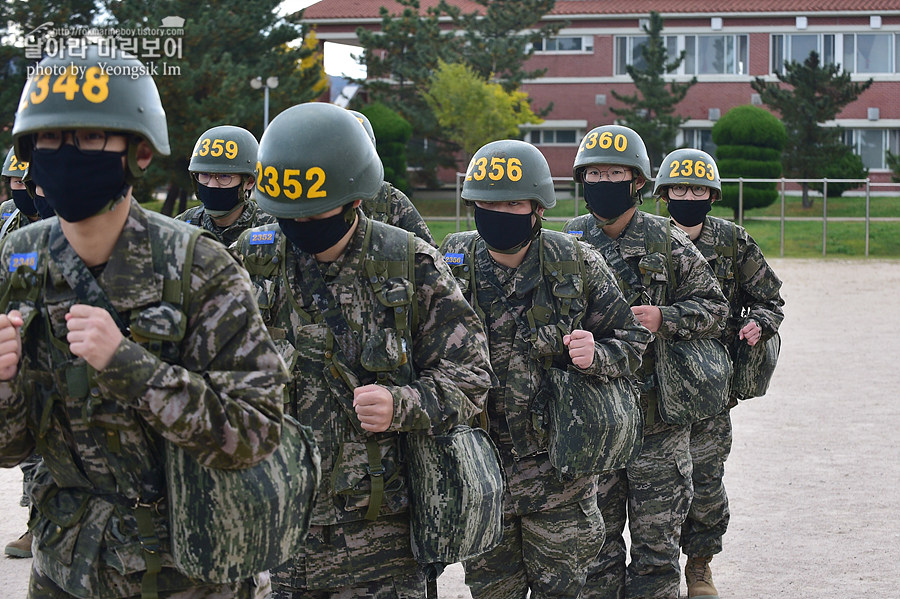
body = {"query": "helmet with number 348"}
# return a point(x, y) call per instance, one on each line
point(83, 90)
point(509, 170)
point(315, 157)
point(688, 166)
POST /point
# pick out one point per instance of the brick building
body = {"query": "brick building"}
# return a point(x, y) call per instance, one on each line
point(725, 49)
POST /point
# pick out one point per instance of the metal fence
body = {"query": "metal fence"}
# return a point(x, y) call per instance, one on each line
point(868, 186)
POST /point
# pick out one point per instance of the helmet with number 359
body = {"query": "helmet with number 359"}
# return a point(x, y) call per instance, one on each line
point(612, 144)
point(509, 170)
point(83, 90)
point(225, 149)
point(315, 157)
point(688, 166)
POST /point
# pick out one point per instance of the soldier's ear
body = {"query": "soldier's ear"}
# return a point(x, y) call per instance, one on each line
point(639, 181)
point(144, 155)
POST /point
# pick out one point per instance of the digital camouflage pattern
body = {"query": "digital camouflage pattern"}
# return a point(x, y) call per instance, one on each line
point(251, 216)
point(656, 487)
point(8, 210)
point(217, 393)
point(753, 290)
point(391, 206)
point(436, 383)
point(522, 437)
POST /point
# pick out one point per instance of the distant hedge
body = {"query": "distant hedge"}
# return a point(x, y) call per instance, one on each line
point(392, 133)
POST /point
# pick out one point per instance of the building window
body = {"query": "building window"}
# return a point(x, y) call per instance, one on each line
point(872, 144)
point(855, 52)
point(552, 137)
point(704, 54)
point(564, 44)
point(700, 139)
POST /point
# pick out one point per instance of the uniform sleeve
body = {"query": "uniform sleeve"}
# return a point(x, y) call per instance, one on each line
point(760, 288)
point(619, 339)
point(697, 309)
point(450, 354)
point(405, 215)
point(223, 403)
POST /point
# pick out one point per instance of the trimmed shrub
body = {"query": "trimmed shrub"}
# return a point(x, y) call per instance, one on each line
point(392, 132)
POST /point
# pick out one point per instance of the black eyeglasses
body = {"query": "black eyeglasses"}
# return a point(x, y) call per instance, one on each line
point(223, 179)
point(87, 141)
point(680, 191)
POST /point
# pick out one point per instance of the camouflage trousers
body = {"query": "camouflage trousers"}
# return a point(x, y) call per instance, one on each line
point(653, 494)
point(708, 517)
point(547, 552)
point(28, 467)
point(41, 587)
point(353, 559)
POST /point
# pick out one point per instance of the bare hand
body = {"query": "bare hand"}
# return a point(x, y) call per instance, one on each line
point(374, 406)
point(10, 344)
point(751, 333)
point(92, 335)
point(649, 316)
point(581, 348)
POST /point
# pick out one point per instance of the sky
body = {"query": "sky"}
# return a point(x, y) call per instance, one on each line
point(338, 57)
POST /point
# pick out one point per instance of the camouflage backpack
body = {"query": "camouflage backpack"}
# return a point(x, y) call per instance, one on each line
point(753, 365)
point(224, 525)
point(693, 376)
point(455, 480)
point(593, 426)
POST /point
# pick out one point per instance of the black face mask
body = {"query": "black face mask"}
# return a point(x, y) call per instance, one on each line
point(689, 212)
point(24, 202)
point(43, 208)
point(220, 201)
point(78, 186)
point(315, 236)
point(608, 200)
point(505, 232)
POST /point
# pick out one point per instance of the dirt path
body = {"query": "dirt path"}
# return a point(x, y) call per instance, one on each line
point(814, 476)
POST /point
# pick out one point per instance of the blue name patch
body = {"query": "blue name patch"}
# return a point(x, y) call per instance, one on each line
point(454, 258)
point(576, 234)
point(17, 260)
point(5, 215)
point(262, 237)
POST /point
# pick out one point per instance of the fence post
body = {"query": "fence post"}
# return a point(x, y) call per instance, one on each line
point(782, 217)
point(824, 212)
point(868, 201)
point(458, 197)
point(741, 201)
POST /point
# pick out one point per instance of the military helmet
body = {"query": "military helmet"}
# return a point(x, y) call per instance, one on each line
point(112, 93)
point(612, 144)
point(315, 157)
point(12, 166)
point(509, 170)
point(688, 166)
point(225, 149)
point(365, 123)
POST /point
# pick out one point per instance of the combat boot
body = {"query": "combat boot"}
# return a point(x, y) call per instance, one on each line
point(20, 547)
point(699, 578)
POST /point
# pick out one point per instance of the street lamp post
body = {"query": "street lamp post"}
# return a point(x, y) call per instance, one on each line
point(270, 83)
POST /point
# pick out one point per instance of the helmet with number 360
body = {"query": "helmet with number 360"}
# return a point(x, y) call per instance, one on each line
point(612, 144)
point(509, 170)
point(225, 149)
point(83, 90)
point(315, 157)
point(688, 166)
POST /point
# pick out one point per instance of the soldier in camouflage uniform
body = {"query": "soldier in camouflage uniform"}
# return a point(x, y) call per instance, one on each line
point(552, 527)
point(17, 213)
point(752, 289)
point(222, 167)
point(654, 492)
point(101, 397)
point(380, 340)
point(391, 205)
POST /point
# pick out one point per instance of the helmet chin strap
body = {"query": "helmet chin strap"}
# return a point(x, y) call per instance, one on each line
point(133, 171)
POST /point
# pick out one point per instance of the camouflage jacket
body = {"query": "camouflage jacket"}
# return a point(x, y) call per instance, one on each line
point(692, 306)
point(250, 217)
point(8, 210)
point(392, 207)
point(619, 342)
point(212, 383)
point(438, 377)
point(747, 280)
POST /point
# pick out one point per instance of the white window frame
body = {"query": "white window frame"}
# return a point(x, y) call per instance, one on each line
point(738, 69)
point(587, 45)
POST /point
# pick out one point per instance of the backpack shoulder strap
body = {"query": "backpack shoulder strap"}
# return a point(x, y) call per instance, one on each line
point(391, 254)
point(459, 254)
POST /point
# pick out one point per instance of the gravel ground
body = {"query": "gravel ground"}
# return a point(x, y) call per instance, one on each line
point(814, 473)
